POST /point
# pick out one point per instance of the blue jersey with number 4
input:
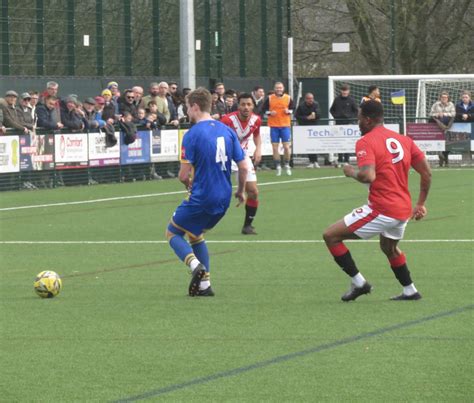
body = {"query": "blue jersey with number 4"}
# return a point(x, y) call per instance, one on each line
point(210, 146)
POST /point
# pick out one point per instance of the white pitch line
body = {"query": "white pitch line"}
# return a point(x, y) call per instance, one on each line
point(153, 195)
point(241, 241)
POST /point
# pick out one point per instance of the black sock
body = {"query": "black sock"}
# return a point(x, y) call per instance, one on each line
point(250, 212)
point(402, 274)
point(347, 264)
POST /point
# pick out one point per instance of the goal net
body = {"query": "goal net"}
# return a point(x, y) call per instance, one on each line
point(429, 90)
point(421, 91)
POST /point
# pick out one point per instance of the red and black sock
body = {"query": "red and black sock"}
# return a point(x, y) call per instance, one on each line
point(343, 258)
point(400, 269)
point(250, 211)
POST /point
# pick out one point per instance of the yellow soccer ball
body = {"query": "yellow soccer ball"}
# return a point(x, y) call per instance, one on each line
point(47, 284)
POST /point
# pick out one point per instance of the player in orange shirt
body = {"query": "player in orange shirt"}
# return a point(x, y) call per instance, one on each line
point(246, 124)
point(384, 158)
point(279, 107)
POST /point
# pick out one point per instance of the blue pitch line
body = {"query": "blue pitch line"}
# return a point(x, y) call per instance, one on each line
point(291, 356)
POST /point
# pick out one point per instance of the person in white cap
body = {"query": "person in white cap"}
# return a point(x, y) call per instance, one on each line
point(10, 112)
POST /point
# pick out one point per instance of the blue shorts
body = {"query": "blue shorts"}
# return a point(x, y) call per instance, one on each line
point(283, 133)
point(193, 220)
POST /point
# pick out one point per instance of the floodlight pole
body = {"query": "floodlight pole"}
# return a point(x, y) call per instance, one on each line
point(290, 68)
point(187, 59)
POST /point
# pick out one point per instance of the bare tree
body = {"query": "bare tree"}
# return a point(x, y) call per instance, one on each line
point(431, 36)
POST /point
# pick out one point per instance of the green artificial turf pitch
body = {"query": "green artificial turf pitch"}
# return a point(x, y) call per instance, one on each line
point(123, 327)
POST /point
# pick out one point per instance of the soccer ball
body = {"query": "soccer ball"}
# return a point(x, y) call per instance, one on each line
point(47, 284)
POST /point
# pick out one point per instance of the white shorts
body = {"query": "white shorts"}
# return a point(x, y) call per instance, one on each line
point(251, 174)
point(366, 223)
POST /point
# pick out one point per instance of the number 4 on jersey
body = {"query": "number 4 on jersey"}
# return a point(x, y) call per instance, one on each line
point(221, 156)
point(394, 147)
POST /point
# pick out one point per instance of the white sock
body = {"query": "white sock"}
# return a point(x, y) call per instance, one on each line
point(410, 289)
point(204, 284)
point(287, 165)
point(193, 264)
point(358, 280)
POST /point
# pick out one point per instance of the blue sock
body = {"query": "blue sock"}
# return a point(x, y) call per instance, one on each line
point(202, 254)
point(182, 249)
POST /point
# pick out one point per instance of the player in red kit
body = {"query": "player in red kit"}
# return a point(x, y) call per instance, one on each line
point(384, 158)
point(247, 124)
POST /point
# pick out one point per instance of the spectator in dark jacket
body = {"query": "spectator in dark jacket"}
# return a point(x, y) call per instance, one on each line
point(465, 108)
point(90, 115)
point(307, 114)
point(47, 114)
point(10, 112)
point(110, 108)
point(126, 103)
point(344, 109)
point(69, 115)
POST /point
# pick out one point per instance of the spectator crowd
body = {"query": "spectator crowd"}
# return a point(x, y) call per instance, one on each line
point(164, 104)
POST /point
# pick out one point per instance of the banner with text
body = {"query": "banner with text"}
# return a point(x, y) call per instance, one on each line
point(99, 154)
point(9, 154)
point(164, 145)
point(137, 152)
point(36, 152)
point(71, 151)
point(427, 136)
point(328, 139)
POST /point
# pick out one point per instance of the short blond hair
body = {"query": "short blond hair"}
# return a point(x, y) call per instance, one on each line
point(201, 97)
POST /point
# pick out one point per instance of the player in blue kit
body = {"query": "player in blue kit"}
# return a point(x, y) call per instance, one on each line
point(207, 152)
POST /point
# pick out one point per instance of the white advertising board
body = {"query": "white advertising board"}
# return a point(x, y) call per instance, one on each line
point(9, 153)
point(71, 148)
point(99, 154)
point(328, 139)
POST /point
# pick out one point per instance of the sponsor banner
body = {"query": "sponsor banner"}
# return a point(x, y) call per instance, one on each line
point(472, 136)
point(458, 138)
point(164, 145)
point(138, 152)
point(99, 154)
point(181, 134)
point(427, 136)
point(424, 131)
point(328, 139)
point(70, 151)
point(9, 153)
point(36, 152)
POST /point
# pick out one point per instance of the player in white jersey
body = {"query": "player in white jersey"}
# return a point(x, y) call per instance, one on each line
point(246, 124)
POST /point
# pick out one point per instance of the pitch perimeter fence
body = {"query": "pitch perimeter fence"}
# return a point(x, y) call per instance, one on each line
point(46, 159)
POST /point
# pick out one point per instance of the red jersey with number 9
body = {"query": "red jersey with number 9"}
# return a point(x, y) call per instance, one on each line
point(392, 155)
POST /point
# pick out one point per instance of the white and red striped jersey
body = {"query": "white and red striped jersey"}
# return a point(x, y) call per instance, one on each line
point(243, 128)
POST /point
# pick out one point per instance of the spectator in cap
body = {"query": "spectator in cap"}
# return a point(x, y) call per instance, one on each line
point(114, 89)
point(71, 117)
point(24, 111)
point(10, 112)
point(47, 114)
point(99, 108)
point(92, 121)
point(110, 111)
